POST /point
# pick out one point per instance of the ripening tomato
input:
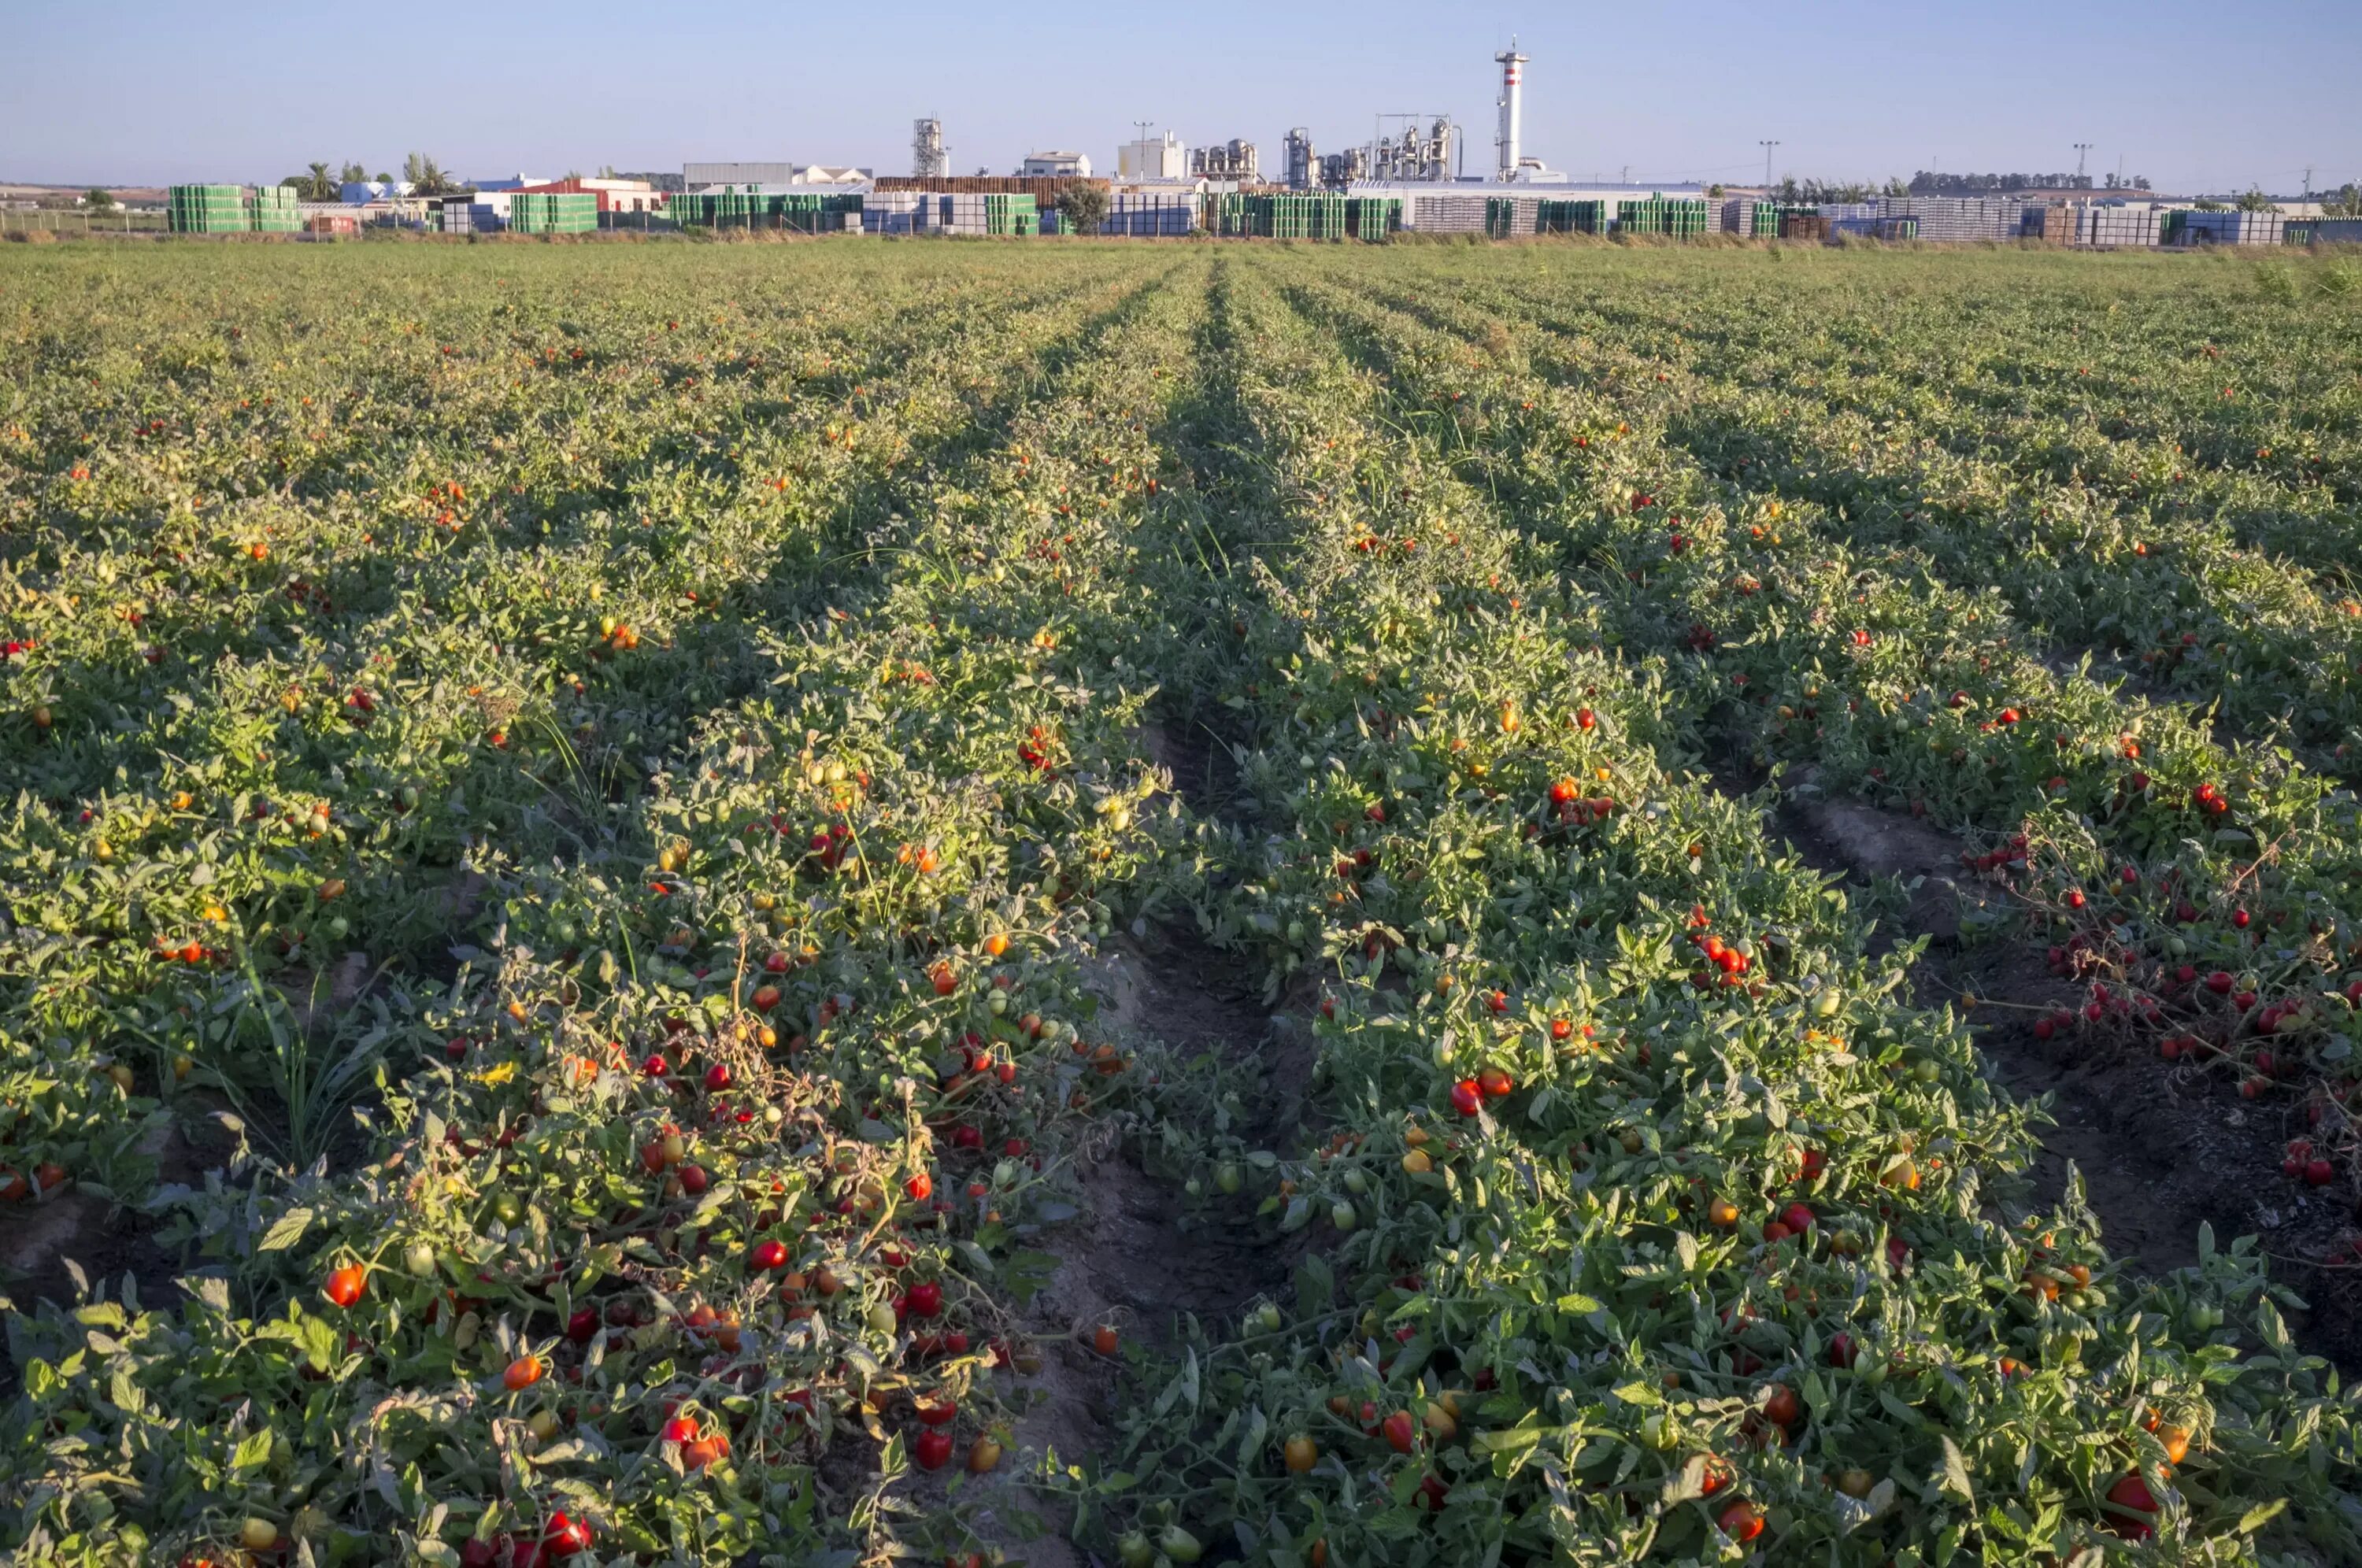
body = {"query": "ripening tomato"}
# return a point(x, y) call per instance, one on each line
point(1401, 1431)
point(1496, 1084)
point(1301, 1454)
point(565, 1537)
point(522, 1373)
point(1741, 1521)
point(920, 1188)
point(1781, 1407)
point(2130, 1492)
point(1104, 1339)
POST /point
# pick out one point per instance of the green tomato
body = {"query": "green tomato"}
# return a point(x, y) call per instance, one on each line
point(507, 1210)
point(881, 1317)
point(1134, 1551)
point(1229, 1177)
point(1266, 1317)
point(419, 1258)
point(1341, 1215)
point(1355, 1182)
point(1178, 1544)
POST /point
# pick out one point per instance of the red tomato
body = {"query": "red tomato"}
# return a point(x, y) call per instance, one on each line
point(926, 1300)
point(934, 1449)
point(346, 1284)
point(1467, 1096)
point(1741, 1521)
point(1401, 1431)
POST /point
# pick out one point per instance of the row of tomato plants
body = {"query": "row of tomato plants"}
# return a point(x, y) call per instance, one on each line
point(685, 1178)
point(2206, 892)
point(2219, 575)
point(385, 702)
point(1649, 1221)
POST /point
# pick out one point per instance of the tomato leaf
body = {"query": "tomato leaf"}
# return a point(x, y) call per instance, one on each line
point(286, 1230)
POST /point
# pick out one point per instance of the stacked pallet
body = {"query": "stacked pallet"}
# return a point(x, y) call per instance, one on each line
point(1802, 222)
point(1743, 216)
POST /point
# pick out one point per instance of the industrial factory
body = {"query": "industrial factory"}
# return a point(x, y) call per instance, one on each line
point(1411, 175)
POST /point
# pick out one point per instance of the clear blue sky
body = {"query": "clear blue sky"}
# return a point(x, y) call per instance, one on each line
point(2196, 96)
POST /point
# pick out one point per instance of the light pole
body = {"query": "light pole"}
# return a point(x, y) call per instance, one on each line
point(1767, 146)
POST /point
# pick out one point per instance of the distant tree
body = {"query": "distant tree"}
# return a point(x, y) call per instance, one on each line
point(99, 199)
point(316, 186)
point(1895, 187)
point(1714, 191)
point(382, 178)
point(2346, 203)
point(2203, 207)
point(1084, 207)
point(2140, 183)
point(425, 177)
point(2255, 201)
point(353, 175)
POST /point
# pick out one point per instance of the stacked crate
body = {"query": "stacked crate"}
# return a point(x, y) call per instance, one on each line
point(1372, 218)
point(1507, 217)
point(1316, 216)
point(1145, 215)
point(891, 212)
point(273, 210)
point(2323, 231)
point(1743, 216)
point(1447, 215)
point(553, 212)
point(1890, 229)
point(2223, 228)
point(1008, 215)
point(206, 209)
point(2112, 226)
point(1955, 220)
point(815, 212)
point(1802, 222)
point(1675, 216)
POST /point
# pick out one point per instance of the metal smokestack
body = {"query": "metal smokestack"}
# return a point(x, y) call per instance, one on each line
point(1512, 104)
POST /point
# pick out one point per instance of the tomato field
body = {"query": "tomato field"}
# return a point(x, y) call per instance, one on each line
point(1068, 902)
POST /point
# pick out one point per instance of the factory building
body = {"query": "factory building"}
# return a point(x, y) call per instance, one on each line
point(1056, 165)
point(1157, 158)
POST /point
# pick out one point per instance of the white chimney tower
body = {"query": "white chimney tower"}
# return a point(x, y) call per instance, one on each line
point(1513, 78)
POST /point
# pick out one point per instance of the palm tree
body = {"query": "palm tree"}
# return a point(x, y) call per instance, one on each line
point(319, 187)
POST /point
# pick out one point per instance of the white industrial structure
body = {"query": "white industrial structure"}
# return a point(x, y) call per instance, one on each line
point(1512, 106)
point(1235, 160)
point(1302, 158)
point(930, 159)
point(1161, 157)
point(1056, 165)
